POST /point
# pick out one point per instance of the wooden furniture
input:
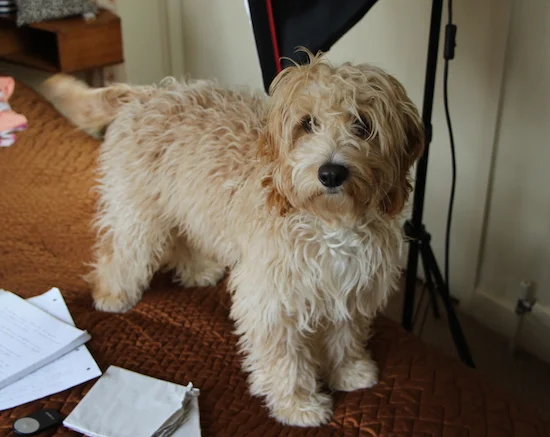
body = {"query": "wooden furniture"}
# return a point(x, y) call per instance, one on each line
point(66, 45)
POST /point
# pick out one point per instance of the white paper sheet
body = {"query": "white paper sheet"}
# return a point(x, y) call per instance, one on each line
point(72, 369)
point(31, 338)
point(127, 404)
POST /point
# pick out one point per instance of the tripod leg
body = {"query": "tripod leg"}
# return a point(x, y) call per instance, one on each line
point(410, 286)
point(419, 305)
point(454, 324)
point(430, 286)
point(423, 322)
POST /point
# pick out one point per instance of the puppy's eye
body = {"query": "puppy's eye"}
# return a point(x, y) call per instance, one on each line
point(307, 123)
point(362, 128)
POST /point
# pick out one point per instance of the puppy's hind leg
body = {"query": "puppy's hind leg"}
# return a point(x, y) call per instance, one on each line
point(193, 268)
point(127, 256)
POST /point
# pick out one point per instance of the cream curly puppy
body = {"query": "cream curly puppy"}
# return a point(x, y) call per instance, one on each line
point(299, 194)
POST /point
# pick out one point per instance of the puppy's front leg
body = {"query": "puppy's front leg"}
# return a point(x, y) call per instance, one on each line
point(349, 366)
point(278, 356)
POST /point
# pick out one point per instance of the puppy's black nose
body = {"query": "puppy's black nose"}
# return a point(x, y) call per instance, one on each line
point(333, 175)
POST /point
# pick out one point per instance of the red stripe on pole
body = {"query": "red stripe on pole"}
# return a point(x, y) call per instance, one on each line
point(273, 35)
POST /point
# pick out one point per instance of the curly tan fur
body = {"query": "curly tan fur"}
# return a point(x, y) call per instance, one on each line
point(197, 178)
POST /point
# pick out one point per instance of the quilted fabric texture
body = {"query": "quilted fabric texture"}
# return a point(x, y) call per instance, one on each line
point(185, 335)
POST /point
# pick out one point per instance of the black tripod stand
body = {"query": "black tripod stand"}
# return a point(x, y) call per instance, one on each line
point(414, 228)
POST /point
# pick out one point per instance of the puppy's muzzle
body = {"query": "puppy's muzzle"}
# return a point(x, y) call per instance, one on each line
point(333, 175)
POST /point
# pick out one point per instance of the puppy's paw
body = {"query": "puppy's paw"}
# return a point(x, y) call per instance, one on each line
point(204, 278)
point(315, 410)
point(354, 375)
point(112, 303)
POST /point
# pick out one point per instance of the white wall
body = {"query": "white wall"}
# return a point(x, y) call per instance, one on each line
point(151, 33)
point(218, 42)
point(152, 39)
point(517, 244)
point(518, 231)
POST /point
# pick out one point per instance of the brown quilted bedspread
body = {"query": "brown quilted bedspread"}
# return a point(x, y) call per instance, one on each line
point(185, 335)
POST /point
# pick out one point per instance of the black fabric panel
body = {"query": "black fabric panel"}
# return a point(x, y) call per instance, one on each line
point(314, 24)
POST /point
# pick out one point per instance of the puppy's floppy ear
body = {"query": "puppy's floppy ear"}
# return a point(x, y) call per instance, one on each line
point(275, 199)
point(276, 139)
point(277, 116)
point(276, 179)
point(271, 138)
point(408, 153)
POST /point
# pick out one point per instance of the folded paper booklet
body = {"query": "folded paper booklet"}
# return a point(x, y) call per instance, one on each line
point(123, 403)
point(30, 338)
point(74, 368)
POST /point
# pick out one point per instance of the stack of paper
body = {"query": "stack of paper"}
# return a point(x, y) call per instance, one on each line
point(41, 351)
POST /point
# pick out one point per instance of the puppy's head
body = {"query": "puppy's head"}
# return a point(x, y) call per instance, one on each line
point(339, 141)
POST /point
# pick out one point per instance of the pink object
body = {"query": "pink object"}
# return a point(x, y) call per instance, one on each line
point(7, 85)
point(10, 121)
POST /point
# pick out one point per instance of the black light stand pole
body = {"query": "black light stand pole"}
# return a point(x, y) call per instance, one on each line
point(422, 166)
point(414, 228)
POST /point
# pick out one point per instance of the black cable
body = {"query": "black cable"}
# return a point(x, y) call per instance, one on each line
point(450, 42)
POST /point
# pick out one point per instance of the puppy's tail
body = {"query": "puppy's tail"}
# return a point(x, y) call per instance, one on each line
point(90, 109)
